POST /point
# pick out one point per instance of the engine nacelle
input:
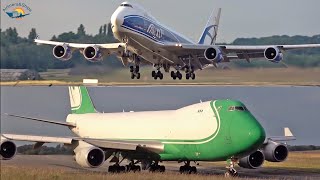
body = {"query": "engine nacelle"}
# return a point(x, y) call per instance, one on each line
point(253, 161)
point(92, 54)
point(62, 52)
point(273, 54)
point(8, 149)
point(275, 152)
point(213, 54)
point(90, 157)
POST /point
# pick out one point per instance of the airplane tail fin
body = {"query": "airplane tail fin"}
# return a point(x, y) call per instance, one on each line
point(80, 100)
point(210, 32)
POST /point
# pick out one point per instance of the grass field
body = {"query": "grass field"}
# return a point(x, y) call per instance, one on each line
point(299, 165)
point(270, 76)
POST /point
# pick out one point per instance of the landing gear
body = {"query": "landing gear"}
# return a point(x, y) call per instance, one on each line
point(190, 73)
point(187, 169)
point(116, 168)
point(131, 167)
point(157, 74)
point(231, 171)
point(135, 70)
point(155, 167)
point(176, 75)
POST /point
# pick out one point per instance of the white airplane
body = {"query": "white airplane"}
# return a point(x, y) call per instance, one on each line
point(218, 130)
point(144, 40)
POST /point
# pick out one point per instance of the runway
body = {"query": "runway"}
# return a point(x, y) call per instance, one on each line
point(66, 163)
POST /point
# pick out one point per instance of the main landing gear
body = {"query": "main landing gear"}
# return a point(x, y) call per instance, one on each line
point(157, 74)
point(190, 73)
point(189, 70)
point(231, 171)
point(131, 167)
point(187, 169)
point(135, 70)
point(176, 75)
point(155, 167)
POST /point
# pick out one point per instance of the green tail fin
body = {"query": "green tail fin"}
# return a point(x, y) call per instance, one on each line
point(80, 100)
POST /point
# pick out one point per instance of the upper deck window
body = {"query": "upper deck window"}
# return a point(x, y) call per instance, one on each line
point(126, 5)
point(237, 108)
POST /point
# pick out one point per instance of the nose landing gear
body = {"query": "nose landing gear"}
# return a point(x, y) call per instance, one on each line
point(231, 171)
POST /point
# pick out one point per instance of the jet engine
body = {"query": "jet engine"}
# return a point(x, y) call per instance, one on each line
point(213, 54)
point(90, 157)
point(273, 54)
point(62, 52)
point(275, 152)
point(92, 53)
point(253, 161)
point(7, 149)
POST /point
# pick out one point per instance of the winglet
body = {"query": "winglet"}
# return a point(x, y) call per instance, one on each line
point(287, 132)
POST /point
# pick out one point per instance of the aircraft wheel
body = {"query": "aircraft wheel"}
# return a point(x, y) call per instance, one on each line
point(153, 74)
point(187, 76)
point(179, 75)
point(131, 68)
point(137, 169)
point(132, 76)
point(172, 74)
point(137, 69)
point(231, 174)
point(138, 76)
point(161, 76)
point(193, 76)
point(162, 169)
point(193, 170)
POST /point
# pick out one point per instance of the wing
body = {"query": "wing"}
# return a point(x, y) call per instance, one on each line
point(147, 146)
point(42, 120)
point(107, 49)
point(150, 146)
point(229, 52)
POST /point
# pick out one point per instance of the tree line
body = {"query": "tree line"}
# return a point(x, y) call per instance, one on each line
point(22, 53)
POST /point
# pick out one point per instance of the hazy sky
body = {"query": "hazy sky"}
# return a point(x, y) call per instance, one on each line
point(245, 18)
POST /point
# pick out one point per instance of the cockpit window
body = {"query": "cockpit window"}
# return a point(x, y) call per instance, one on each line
point(126, 5)
point(237, 108)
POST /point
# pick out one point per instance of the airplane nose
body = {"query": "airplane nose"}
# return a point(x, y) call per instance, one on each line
point(247, 133)
point(116, 19)
point(257, 135)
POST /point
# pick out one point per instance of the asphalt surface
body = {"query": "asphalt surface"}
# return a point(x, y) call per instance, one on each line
point(66, 163)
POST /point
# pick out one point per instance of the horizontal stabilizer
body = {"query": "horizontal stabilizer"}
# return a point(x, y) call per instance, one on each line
point(288, 136)
point(42, 120)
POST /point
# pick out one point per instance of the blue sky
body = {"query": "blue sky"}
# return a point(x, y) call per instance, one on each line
point(246, 18)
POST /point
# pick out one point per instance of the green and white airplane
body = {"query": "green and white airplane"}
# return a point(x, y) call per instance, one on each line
point(218, 130)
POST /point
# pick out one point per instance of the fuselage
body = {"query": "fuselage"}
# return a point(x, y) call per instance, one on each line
point(143, 33)
point(204, 131)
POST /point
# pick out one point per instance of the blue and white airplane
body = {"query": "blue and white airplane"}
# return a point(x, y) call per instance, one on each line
point(143, 40)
